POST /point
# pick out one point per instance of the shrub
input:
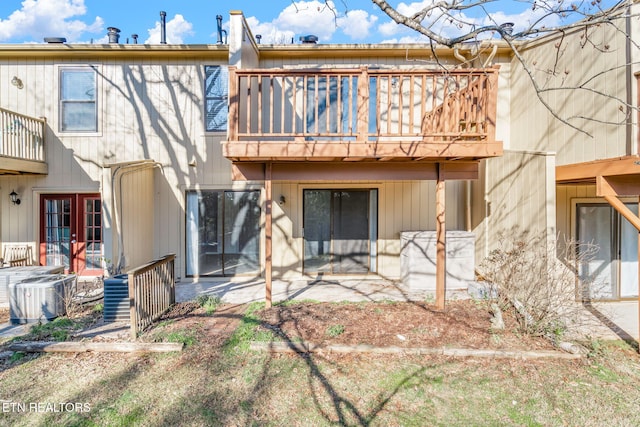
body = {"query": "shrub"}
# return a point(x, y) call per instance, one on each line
point(539, 284)
point(335, 330)
point(209, 302)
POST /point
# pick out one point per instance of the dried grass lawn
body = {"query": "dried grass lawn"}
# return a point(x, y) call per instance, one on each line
point(217, 381)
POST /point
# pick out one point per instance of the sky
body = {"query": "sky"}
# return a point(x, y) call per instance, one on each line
point(194, 21)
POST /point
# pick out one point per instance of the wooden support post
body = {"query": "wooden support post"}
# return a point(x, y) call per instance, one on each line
point(268, 231)
point(440, 240)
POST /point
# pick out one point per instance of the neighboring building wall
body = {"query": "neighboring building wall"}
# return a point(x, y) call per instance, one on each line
point(514, 199)
point(151, 109)
point(560, 63)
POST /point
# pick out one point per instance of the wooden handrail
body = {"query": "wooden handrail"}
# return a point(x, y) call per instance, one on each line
point(151, 292)
point(362, 104)
point(22, 137)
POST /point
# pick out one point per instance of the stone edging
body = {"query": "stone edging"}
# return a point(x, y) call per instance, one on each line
point(306, 347)
point(85, 346)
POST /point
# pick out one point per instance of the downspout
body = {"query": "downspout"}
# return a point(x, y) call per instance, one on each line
point(117, 175)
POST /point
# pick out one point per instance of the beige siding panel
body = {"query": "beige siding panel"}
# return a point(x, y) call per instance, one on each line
point(571, 65)
point(136, 202)
point(519, 201)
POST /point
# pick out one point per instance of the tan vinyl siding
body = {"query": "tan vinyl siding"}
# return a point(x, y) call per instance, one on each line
point(519, 198)
point(136, 202)
point(402, 206)
point(559, 64)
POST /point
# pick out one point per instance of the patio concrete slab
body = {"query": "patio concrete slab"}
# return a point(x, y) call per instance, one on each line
point(244, 291)
point(7, 330)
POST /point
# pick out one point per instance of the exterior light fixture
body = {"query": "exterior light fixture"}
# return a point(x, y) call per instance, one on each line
point(282, 200)
point(14, 197)
point(17, 82)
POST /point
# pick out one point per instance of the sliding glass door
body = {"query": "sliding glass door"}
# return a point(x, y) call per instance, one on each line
point(612, 271)
point(223, 233)
point(340, 230)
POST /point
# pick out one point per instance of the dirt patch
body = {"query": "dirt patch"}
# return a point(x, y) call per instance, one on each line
point(4, 315)
point(462, 324)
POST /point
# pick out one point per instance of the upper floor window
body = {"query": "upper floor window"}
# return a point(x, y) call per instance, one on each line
point(216, 95)
point(78, 109)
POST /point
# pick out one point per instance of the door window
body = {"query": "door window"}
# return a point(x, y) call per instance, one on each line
point(223, 233)
point(340, 230)
point(71, 232)
point(612, 271)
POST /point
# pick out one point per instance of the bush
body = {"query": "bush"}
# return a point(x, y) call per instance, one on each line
point(539, 285)
point(209, 302)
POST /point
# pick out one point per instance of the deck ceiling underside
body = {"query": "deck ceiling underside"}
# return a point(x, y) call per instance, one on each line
point(355, 171)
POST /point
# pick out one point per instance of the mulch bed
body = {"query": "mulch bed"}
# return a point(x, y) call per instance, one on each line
point(463, 324)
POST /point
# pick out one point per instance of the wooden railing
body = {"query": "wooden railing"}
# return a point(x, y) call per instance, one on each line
point(152, 291)
point(362, 104)
point(21, 137)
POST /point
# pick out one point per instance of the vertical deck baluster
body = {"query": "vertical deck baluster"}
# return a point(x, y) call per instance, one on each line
point(305, 97)
point(316, 104)
point(260, 94)
point(283, 81)
point(249, 107)
point(339, 106)
point(400, 105)
point(412, 90)
point(271, 99)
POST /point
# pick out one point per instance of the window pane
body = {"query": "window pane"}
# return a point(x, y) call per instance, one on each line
point(223, 232)
point(78, 85)
point(595, 225)
point(78, 116)
point(241, 232)
point(78, 100)
point(216, 97)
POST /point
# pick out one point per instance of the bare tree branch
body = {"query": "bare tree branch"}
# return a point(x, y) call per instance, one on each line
point(448, 23)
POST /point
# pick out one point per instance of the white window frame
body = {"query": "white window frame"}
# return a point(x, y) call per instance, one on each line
point(222, 99)
point(66, 68)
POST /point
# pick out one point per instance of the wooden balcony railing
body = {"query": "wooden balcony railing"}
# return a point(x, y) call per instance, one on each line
point(22, 137)
point(152, 291)
point(269, 107)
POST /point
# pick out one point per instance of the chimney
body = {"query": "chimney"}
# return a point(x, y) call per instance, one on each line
point(114, 34)
point(55, 40)
point(135, 38)
point(219, 27)
point(310, 39)
point(163, 27)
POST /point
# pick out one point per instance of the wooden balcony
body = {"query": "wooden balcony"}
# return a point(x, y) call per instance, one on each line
point(22, 149)
point(364, 114)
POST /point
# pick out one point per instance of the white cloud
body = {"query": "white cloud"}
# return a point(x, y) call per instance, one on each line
point(41, 18)
point(270, 33)
point(357, 24)
point(313, 17)
point(177, 29)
